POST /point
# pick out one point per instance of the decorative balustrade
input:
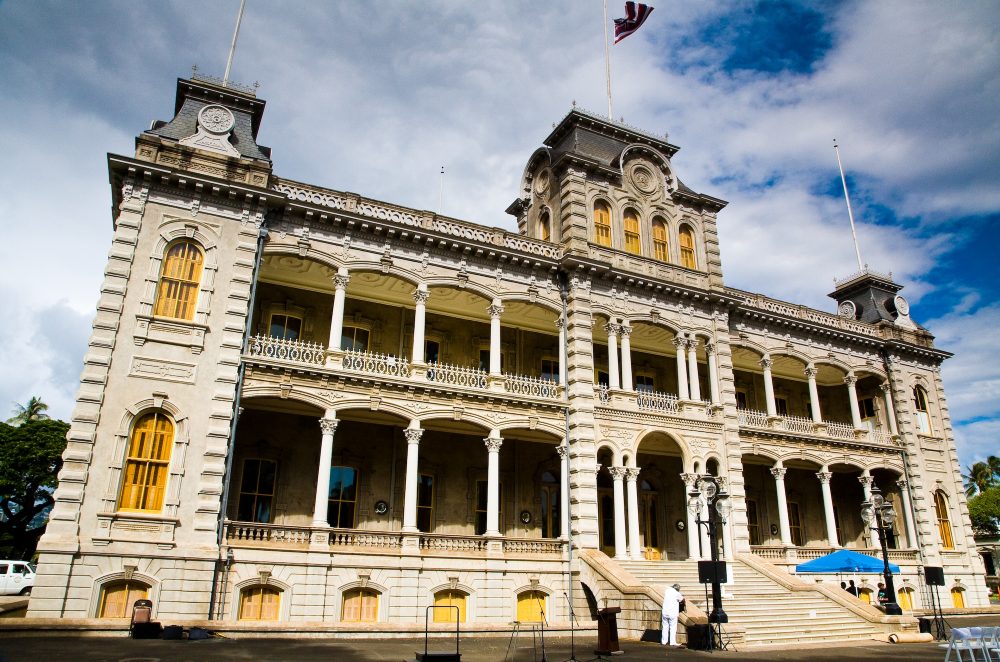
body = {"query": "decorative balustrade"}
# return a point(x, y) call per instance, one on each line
point(447, 543)
point(880, 437)
point(367, 539)
point(751, 418)
point(535, 546)
point(840, 430)
point(798, 554)
point(603, 394)
point(795, 311)
point(280, 349)
point(533, 386)
point(376, 364)
point(798, 424)
point(456, 375)
point(657, 401)
point(267, 534)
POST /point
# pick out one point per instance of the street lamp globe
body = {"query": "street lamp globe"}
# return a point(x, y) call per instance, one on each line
point(709, 487)
point(888, 515)
point(723, 506)
point(694, 503)
point(867, 513)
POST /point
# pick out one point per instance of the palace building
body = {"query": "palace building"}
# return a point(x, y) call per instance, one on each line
point(303, 406)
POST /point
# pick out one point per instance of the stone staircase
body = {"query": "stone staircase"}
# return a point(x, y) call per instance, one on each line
point(769, 613)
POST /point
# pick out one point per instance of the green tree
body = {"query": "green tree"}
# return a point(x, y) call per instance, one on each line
point(33, 410)
point(30, 459)
point(984, 511)
point(981, 475)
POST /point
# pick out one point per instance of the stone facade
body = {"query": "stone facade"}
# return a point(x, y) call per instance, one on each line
point(366, 409)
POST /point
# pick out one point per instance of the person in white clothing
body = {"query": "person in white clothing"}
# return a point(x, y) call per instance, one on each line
point(672, 599)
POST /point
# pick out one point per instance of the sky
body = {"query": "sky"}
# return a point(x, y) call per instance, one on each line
point(375, 98)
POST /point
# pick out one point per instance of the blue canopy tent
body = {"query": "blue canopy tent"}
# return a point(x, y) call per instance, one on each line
point(845, 560)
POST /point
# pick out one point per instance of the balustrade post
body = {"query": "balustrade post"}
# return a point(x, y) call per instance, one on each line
point(765, 364)
point(632, 493)
point(852, 398)
point(831, 523)
point(778, 471)
point(340, 282)
point(493, 444)
point(328, 426)
point(413, 434)
point(613, 380)
point(680, 343)
point(420, 296)
point(617, 474)
point(626, 357)
point(694, 383)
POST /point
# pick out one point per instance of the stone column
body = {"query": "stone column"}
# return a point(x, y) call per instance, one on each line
point(561, 324)
point(852, 397)
point(420, 297)
point(613, 380)
point(817, 415)
point(493, 444)
point(831, 523)
point(713, 373)
point(694, 384)
point(890, 410)
point(779, 486)
point(682, 380)
point(907, 508)
point(626, 357)
point(495, 310)
point(617, 474)
point(563, 491)
point(867, 480)
point(766, 364)
point(413, 434)
point(328, 426)
point(634, 543)
point(337, 319)
point(690, 480)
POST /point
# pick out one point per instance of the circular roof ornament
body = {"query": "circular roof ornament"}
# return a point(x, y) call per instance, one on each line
point(216, 119)
point(902, 305)
point(542, 182)
point(643, 178)
point(848, 309)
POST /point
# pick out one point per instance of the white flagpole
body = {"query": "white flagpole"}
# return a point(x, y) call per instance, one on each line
point(850, 214)
point(441, 191)
point(232, 48)
point(607, 59)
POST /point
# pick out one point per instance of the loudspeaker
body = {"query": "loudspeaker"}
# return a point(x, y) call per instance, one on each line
point(712, 571)
point(933, 576)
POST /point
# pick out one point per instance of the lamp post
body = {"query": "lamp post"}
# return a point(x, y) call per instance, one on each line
point(879, 514)
point(707, 493)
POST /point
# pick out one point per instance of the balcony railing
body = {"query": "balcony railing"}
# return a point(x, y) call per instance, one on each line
point(657, 401)
point(803, 425)
point(376, 364)
point(457, 375)
point(780, 553)
point(292, 351)
point(252, 534)
point(533, 386)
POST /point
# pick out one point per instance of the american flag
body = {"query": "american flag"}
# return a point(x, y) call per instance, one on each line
point(634, 18)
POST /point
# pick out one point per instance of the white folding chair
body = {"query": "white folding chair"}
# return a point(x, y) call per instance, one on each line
point(991, 644)
point(967, 640)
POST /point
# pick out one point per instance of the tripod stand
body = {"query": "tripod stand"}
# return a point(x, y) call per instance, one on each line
point(572, 630)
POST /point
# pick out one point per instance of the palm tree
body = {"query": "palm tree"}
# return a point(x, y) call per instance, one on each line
point(34, 410)
point(980, 476)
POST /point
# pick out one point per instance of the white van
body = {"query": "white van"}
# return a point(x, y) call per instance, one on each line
point(16, 577)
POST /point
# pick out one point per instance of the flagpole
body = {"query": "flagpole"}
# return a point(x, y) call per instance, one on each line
point(232, 48)
point(850, 214)
point(607, 59)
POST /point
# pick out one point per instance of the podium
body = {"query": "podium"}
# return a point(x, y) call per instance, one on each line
point(607, 631)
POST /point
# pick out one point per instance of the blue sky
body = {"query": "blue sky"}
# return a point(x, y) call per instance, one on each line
point(753, 92)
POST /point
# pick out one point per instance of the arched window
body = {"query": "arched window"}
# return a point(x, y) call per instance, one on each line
point(180, 277)
point(147, 464)
point(260, 603)
point(944, 521)
point(958, 598)
point(118, 597)
point(632, 243)
point(923, 414)
point(905, 598)
point(257, 490)
point(661, 249)
point(550, 505)
point(531, 607)
point(360, 606)
point(444, 601)
point(544, 227)
point(602, 224)
point(688, 258)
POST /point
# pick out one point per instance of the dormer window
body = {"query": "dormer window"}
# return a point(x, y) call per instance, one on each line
point(602, 224)
point(660, 245)
point(688, 258)
point(632, 243)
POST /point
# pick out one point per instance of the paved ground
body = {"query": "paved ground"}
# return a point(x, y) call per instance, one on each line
point(480, 649)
